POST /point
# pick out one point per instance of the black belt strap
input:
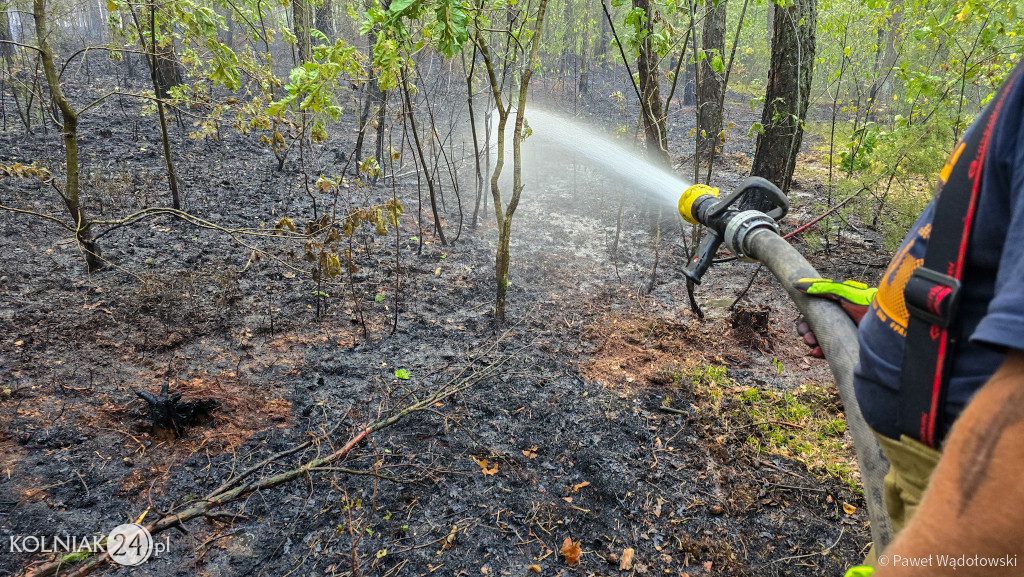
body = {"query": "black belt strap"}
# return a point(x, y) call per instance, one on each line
point(932, 293)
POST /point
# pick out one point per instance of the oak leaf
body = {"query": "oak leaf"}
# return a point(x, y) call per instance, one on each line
point(486, 468)
point(571, 551)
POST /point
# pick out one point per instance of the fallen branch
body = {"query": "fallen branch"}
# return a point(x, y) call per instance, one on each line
point(818, 218)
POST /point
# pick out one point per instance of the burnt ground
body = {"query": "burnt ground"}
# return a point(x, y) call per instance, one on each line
point(574, 429)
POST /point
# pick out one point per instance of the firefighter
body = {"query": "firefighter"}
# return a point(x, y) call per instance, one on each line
point(941, 371)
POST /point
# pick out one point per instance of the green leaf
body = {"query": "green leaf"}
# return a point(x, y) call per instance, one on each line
point(402, 374)
point(717, 65)
point(399, 6)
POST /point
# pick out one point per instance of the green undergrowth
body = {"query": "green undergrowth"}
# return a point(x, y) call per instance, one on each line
point(891, 169)
point(804, 424)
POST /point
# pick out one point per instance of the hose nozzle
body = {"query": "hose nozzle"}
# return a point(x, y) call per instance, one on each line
point(689, 198)
point(726, 222)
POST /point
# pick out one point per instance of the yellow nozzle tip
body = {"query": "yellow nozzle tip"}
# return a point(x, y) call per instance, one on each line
point(690, 195)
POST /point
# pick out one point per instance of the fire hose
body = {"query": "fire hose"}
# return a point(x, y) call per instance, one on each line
point(753, 235)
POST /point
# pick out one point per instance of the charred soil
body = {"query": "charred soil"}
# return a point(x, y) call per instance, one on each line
point(621, 422)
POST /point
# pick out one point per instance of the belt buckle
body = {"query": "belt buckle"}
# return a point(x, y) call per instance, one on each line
point(932, 296)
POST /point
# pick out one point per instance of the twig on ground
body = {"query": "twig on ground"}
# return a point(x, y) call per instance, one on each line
point(462, 381)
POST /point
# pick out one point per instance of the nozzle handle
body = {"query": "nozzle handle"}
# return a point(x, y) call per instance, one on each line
point(701, 261)
point(778, 200)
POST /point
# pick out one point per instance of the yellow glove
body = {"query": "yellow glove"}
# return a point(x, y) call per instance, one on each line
point(853, 296)
point(850, 291)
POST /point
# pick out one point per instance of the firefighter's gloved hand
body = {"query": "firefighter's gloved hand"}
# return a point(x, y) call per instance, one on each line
point(853, 296)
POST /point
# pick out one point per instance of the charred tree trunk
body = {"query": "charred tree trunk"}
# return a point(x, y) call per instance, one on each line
point(786, 96)
point(368, 99)
point(158, 71)
point(168, 71)
point(325, 20)
point(230, 32)
point(583, 85)
point(438, 227)
point(381, 102)
point(168, 74)
point(655, 129)
point(689, 84)
point(69, 130)
point(7, 50)
point(156, 68)
point(301, 22)
point(712, 82)
point(374, 98)
point(472, 127)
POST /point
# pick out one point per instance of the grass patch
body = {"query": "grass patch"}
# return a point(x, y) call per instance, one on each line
point(803, 424)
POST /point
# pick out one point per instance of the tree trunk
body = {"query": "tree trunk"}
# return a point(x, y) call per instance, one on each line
point(689, 84)
point(325, 20)
point(651, 108)
point(503, 214)
point(230, 32)
point(786, 96)
point(438, 228)
point(155, 69)
point(168, 72)
point(368, 99)
point(381, 102)
point(7, 51)
point(472, 127)
point(505, 235)
point(300, 26)
point(165, 59)
point(712, 81)
point(69, 130)
point(885, 59)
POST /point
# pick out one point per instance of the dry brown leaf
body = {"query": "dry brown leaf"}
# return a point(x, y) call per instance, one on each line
point(571, 551)
point(533, 568)
point(448, 541)
point(627, 559)
point(580, 486)
point(485, 469)
point(850, 509)
point(567, 499)
point(531, 452)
